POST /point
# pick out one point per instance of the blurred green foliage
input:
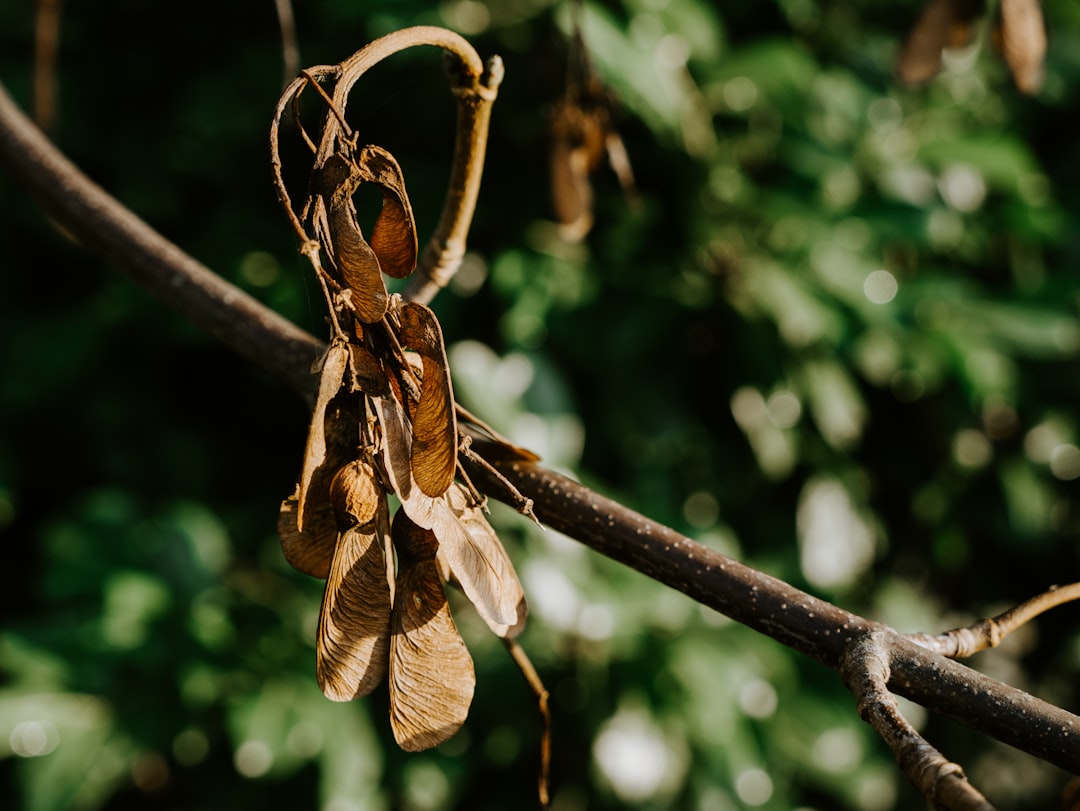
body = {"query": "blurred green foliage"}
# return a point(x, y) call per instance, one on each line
point(837, 336)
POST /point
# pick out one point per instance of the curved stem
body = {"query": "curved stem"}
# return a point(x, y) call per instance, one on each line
point(989, 632)
point(474, 84)
point(375, 52)
point(446, 248)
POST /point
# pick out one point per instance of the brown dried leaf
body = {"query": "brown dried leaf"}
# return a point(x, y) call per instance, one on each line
point(431, 673)
point(354, 623)
point(355, 260)
point(1020, 36)
point(479, 563)
point(355, 494)
point(331, 380)
point(434, 444)
point(942, 24)
point(394, 236)
point(312, 550)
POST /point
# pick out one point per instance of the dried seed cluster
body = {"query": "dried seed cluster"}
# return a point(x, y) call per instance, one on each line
point(385, 422)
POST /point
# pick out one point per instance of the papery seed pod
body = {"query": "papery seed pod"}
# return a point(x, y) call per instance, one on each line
point(331, 380)
point(582, 133)
point(434, 443)
point(479, 563)
point(311, 550)
point(1020, 38)
point(570, 161)
point(942, 24)
point(355, 494)
point(393, 239)
point(356, 262)
point(431, 673)
point(353, 642)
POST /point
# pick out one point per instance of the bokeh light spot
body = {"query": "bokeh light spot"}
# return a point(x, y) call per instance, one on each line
point(880, 287)
point(1065, 462)
point(784, 408)
point(962, 188)
point(34, 738)
point(758, 698)
point(754, 787)
point(740, 94)
point(971, 448)
point(253, 758)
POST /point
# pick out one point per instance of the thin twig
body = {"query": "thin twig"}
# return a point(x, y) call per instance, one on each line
point(290, 94)
point(525, 665)
point(521, 504)
point(987, 633)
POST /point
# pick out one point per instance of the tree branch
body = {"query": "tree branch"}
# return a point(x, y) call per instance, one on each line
point(105, 227)
point(777, 609)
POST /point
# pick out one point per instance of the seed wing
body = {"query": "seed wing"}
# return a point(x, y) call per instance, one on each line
point(357, 263)
point(431, 673)
point(354, 623)
point(393, 239)
point(434, 444)
point(397, 460)
point(479, 563)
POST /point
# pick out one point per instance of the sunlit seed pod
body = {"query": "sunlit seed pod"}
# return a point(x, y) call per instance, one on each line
point(355, 494)
point(397, 461)
point(358, 265)
point(431, 672)
point(1020, 37)
point(479, 563)
point(353, 642)
point(356, 262)
point(393, 239)
point(434, 443)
